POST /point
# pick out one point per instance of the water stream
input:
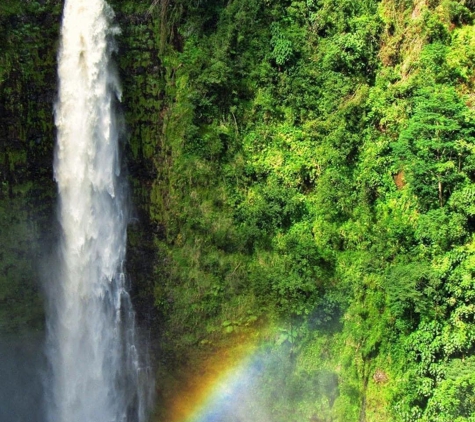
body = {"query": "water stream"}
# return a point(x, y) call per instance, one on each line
point(96, 369)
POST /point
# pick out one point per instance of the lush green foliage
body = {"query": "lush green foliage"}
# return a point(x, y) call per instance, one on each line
point(316, 172)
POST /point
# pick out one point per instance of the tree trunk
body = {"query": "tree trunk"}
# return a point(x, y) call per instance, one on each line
point(441, 199)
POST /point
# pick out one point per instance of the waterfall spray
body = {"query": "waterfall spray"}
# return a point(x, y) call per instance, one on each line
point(96, 371)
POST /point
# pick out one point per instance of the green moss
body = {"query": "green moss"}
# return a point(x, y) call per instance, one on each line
point(27, 88)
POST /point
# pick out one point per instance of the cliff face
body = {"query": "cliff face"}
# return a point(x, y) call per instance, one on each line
point(303, 176)
point(27, 89)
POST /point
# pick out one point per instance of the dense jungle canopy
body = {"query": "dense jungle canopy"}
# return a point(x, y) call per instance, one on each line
point(303, 177)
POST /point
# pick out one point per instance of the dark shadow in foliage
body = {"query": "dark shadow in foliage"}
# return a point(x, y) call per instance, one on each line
point(408, 288)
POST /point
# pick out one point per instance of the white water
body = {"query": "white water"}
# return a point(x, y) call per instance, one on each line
point(96, 374)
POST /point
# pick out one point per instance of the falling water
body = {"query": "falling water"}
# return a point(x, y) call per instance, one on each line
point(96, 370)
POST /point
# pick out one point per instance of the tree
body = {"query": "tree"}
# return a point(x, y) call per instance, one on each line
point(434, 148)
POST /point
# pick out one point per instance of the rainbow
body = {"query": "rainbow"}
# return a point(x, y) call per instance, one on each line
point(221, 389)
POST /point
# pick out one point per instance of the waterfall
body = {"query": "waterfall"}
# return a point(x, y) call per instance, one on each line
point(96, 370)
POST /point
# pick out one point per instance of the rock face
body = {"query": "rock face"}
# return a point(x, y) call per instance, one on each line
point(27, 191)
